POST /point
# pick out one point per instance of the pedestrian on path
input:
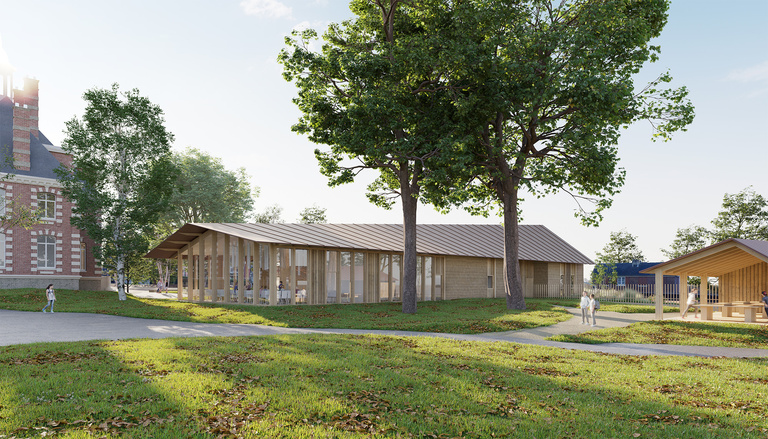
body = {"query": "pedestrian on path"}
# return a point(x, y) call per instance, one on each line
point(594, 305)
point(50, 294)
point(691, 301)
point(584, 308)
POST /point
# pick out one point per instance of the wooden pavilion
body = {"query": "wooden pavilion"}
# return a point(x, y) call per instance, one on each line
point(741, 266)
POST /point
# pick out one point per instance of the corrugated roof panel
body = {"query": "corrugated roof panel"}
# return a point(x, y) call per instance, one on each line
point(537, 243)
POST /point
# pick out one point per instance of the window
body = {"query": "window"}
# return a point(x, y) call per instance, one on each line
point(621, 281)
point(82, 257)
point(2, 201)
point(46, 205)
point(2, 250)
point(46, 252)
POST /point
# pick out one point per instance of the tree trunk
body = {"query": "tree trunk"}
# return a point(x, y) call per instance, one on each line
point(410, 203)
point(513, 287)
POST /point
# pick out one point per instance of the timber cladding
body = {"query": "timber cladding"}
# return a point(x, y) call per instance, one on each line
point(744, 284)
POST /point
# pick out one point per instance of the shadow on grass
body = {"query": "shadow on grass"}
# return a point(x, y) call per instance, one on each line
point(371, 386)
point(465, 316)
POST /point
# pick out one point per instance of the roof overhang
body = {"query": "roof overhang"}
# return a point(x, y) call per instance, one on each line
point(716, 260)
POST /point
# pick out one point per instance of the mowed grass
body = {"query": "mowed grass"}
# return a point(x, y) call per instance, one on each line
point(737, 335)
point(626, 308)
point(465, 316)
point(336, 386)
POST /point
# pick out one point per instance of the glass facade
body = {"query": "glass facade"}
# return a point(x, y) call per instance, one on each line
point(331, 276)
point(216, 266)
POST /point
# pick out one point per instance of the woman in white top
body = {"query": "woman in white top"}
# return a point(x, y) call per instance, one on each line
point(51, 295)
point(584, 308)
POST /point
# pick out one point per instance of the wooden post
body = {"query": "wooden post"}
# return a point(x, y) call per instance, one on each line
point(240, 271)
point(191, 273)
point(201, 271)
point(227, 268)
point(213, 267)
point(704, 289)
point(179, 273)
point(659, 295)
point(272, 274)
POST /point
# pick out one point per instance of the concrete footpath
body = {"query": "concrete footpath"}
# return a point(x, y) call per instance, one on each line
point(17, 327)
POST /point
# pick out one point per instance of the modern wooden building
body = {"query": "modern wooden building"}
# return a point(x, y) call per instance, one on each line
point(281, 264)
point(741, 266)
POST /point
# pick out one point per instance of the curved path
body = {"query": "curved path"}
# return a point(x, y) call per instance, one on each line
point(18, 327)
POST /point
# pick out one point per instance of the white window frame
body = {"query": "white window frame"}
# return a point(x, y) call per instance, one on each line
point(2, 249)
point(2, 201)
point(46, 200)
point(46, 251)
point(621, 281)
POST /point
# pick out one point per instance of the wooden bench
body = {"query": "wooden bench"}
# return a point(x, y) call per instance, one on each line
point(749, 309)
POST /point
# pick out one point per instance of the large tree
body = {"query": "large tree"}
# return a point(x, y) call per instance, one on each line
point(555, 86)
point(207, 192)
point(743, 215)
point(621, 248)
point(378, 93)
point(121, 175)
point(687, 240)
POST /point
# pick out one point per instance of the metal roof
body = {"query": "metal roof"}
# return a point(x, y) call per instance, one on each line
point(717, 259)
point(537, 243)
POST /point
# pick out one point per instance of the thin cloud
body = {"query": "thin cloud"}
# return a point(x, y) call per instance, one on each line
point(756, 73)
point(266, 8)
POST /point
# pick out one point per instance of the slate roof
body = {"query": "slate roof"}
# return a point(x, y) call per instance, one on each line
point(42, 162)
point(537, 243)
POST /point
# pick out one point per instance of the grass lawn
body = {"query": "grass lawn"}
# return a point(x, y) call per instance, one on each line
point(737, 335)
point(465, 316)
point(627, 308)
point(336, 386)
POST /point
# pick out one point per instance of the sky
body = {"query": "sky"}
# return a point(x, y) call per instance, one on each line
point(212, 67)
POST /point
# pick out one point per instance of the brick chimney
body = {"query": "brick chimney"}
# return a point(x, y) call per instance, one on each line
point(25, 122)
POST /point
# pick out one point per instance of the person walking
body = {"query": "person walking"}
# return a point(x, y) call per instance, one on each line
point(50, 294)
point(594, 305)
point(764, 299)
point(691, 301)
point(584, 308)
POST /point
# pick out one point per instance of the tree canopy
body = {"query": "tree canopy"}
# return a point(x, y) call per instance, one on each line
point(313, 215)
point(687, 240)
point(743, 215)
point(207, 192)
point(553, 86)
point(121, 175)
point(378, 93)
point(621, 248)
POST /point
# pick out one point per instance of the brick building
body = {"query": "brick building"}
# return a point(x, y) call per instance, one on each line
point(52, 251)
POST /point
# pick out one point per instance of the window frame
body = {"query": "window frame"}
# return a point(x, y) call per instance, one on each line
point(44, 201)
point(50, 257)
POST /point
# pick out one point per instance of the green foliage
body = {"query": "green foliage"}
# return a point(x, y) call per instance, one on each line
point(121, 176)
point(687, 240)
point(348, 386)
point(313, 215)
point(604, 273)
point(735, 335)
point(206, 192)
point(477, 315)
point(14, 213)
point(743, 215)
point(621, 248)
point(271, 215)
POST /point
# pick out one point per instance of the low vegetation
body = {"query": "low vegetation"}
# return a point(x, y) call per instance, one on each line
point(736, 335)
point(465, 316)
point(335, 386)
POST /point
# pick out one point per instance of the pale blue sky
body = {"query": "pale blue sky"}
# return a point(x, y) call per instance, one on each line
point(211, 66)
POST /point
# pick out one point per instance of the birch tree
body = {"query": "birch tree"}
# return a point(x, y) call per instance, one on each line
point(121, 174)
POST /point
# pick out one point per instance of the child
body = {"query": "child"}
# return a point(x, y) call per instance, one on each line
point(51, 295)
point(691, 302)
point(584, 308)
point(593, 306)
